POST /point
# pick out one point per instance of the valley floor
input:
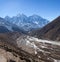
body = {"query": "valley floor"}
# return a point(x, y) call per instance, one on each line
point(30, 49)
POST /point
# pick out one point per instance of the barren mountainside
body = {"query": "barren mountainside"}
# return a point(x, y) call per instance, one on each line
point(51, 31)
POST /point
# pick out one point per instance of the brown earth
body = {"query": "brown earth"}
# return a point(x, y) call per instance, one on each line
point(10, 52)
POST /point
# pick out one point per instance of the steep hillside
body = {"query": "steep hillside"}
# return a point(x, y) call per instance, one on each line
point(51, 31)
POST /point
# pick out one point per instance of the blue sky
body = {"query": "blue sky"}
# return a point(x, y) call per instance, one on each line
point(48, 9)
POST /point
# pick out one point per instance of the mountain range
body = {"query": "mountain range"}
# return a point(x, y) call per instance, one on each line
point(6, 26)
point(27, 23)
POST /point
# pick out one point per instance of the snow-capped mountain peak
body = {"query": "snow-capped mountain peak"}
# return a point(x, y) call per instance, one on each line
point(27, 23)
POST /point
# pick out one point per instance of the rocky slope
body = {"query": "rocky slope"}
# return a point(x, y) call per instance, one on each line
point(17, 47)
point(51, 31)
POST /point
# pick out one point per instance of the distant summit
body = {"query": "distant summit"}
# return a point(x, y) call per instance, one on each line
point(27, 23)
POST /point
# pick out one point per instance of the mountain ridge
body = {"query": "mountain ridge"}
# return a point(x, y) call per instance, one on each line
point(6, 26)
point(27, 23)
